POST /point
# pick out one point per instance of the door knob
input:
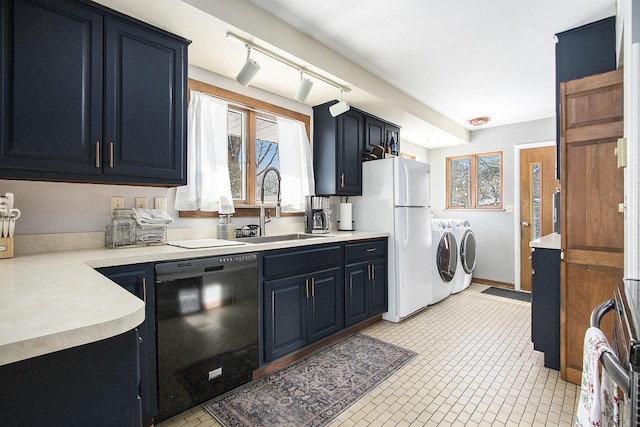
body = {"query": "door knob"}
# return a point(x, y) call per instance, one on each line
point(525, 224)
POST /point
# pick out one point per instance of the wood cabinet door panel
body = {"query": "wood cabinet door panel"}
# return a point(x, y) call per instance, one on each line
point(588, 287)
point(596, 185)
point(592, 187)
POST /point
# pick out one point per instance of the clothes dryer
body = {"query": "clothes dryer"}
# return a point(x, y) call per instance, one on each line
point(466, 254)
point(445, 258)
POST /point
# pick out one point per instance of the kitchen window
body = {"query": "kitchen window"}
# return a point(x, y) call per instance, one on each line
point(250, 157)
point(252, 147)
point(475, 181)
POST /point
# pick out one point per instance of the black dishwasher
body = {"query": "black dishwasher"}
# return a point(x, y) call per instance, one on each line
point(207, 329)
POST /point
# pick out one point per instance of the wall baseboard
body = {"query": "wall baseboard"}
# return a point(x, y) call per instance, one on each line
point(493, 283)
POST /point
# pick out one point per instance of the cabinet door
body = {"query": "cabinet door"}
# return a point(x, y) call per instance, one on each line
point(138, 279)
point(374, 133)
point(285, 316)
point(325, 313)
point(349, 154)
point(145, 127)
point(378, 291)
point(356, 285)
point(51, 88)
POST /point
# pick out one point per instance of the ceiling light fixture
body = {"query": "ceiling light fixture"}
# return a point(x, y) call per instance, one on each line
point(479, 121)
point(340, 107)
point(249, 70)
point(303, 88)
point(305, 84)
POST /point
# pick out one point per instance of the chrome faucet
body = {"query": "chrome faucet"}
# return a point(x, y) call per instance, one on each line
point(264, 219)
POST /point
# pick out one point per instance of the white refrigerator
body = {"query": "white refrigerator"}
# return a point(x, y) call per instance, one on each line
point(396, 198)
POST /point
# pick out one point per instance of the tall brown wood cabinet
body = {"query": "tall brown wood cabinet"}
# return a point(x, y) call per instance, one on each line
point(591, 121)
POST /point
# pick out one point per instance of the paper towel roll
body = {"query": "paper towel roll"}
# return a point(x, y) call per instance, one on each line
point(346, 220)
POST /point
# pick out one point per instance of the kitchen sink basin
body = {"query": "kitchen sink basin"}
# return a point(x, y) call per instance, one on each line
point(279, 238)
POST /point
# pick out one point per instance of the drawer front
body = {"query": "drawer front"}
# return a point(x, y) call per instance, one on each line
point(301, 260)
point(365, 250)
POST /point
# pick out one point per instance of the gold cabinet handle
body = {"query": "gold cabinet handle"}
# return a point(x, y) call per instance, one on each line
point(144, 290)
point(97, 154)
point(306, 285)
point(111, 154)
point(369, 271)
point(373, 272)
point(342, 180)
point(313, 287)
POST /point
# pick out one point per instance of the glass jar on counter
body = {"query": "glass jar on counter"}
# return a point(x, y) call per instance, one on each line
point(122, 229)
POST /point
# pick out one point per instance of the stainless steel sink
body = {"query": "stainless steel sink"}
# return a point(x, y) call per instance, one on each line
point(279, 238)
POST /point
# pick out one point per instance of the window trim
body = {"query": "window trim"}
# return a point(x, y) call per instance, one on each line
point(254, 107)
point(473, 178)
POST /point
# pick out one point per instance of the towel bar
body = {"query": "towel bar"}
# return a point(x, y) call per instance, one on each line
point(609, 361)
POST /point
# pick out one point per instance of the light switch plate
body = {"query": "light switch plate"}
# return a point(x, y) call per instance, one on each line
point(141, 202)
point(160, 203)
point(117, 202)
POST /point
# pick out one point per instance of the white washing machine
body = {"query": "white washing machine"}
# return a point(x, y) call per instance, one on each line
point(445, 258)
point(466, 254)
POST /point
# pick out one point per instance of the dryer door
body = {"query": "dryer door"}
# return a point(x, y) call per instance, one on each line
point(468, 252)
point(447, 256)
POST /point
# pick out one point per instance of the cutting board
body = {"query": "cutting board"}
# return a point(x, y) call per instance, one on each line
point(204, 243)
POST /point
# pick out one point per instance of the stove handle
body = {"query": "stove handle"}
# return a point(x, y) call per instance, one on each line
point(609, 360)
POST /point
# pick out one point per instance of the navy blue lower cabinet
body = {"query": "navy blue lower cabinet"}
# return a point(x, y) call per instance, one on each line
point(95, 384)
point(138, 279)
point(302, 309)
point(366, 286)
point(545, 305)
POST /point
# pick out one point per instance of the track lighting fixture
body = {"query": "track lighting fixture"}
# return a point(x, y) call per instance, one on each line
point(251, 67)
point(340, 107)
point(303, 88)
point(249, 70)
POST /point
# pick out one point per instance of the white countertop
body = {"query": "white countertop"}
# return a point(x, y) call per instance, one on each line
point(56, 300)
point(550, 241)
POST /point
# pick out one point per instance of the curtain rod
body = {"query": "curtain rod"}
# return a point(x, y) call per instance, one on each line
point(245, 107)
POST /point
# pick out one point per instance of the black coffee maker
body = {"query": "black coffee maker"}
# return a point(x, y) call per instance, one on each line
point(317, 215)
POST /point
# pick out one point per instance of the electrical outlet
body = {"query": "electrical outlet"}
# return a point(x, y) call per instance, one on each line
point(161, 203)
point(117, 202)
point(141, 202)
point(511, 209)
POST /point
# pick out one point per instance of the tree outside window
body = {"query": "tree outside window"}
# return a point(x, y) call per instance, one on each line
point(475, 181)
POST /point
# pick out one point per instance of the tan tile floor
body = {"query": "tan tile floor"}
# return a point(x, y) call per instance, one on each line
point(476, 367)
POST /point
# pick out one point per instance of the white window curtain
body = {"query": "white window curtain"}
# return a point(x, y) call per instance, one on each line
point(296, 168)
point(208, 186)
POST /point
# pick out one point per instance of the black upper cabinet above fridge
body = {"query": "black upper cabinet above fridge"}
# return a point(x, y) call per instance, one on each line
point(339, 144)
point(90, 95)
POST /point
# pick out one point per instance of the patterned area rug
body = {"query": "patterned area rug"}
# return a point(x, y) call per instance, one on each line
point(314, 390)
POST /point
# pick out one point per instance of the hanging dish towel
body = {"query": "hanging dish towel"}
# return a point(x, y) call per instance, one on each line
point(598, 405)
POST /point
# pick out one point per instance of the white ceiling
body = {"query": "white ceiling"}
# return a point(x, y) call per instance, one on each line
point(428, 65)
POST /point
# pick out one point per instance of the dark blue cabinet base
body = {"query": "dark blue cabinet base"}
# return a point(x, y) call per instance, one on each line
point(94, 384)
point(545, 305)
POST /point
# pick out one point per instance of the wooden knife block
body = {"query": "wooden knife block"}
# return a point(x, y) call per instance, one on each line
point(6, 247)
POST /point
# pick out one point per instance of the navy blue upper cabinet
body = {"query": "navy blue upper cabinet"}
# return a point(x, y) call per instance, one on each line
point(337, 151)
point(90, 95)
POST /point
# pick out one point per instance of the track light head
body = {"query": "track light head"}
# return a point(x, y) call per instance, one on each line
point(249, 70)
point(303, 89)
point(339, 108)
